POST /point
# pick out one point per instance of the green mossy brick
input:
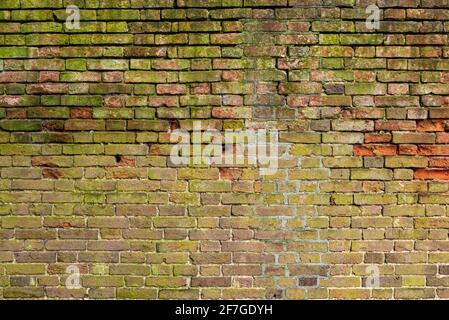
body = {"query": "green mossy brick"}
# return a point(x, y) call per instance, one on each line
point(145, 113)
point(361, 63)
point(228, 14)
point(33, 4)
point(365, 89)
point(264, 3)
point(301, 88)
point(15, 88)
point(399, 76)
point(199, 3)
point(113, 88)
point(200, 112)
point(173, 113)
point(117, 27)
point(232, 112)
point(342, 137)
point(78, 39)
point(83, 125)
point(86, 117)
point(19, 149)
point(333, 26)
point(20, 222)
point(41, 27)
point(120, 15)
point(361, 39)
point(8, 27)
point(372, 199)
point(68, 76)
point(146, 137)
point(83, 149)
point(50, 100)
point(23, 293)
point(15, 40)
point(83, 101)
point(111, 4)
point(102, 281)
point(174, 14)
point(197, 14)
point(200, 76)
point(232, 88)
point(45, 64)
point(5, 15)
point(233, 124)
point(10, 4)
point(371, 174)
point(200, 100)
point(201, 64)
point(171, 39)
point(142, 64)
point(233, 64)
point(172, 64)
point(199, 52)
point(332, 63)
point(144, 39)
point(148, 125)
point(426, 77)
point(150, 27)
point(79, 36)
point(136, 293)
point(232, 52)
point(200, 26)
point(52, 138)
point(32, 15)
point(332, 51)
point(112, 39)
point(46, 39)
point(406, 162)
point(85, 14)
point(145, 76)
point(232, 3)
point(21, 125)
point(17, 137)
point(48, 113)
point(266, 75)
point(209, 186)
point(150, 15)
point(329, 39)
point(76, 64)
point(116, 137)
point(432, 88)
point(136, 101)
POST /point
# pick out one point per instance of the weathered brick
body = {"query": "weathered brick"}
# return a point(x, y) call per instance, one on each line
point(361, 174)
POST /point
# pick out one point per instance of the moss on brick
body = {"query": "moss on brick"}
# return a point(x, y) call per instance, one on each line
point(87, 178)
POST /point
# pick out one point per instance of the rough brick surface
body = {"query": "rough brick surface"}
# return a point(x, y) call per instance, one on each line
point(86, 178)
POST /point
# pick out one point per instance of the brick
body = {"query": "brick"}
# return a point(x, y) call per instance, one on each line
point(365, 89)
point(413, 137)
point(145, 77)
point(136, 293)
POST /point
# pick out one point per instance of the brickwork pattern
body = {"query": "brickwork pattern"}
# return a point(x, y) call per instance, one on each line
point(86, 179)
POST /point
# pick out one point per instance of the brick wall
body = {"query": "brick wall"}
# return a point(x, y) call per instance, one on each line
point(87, 182)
